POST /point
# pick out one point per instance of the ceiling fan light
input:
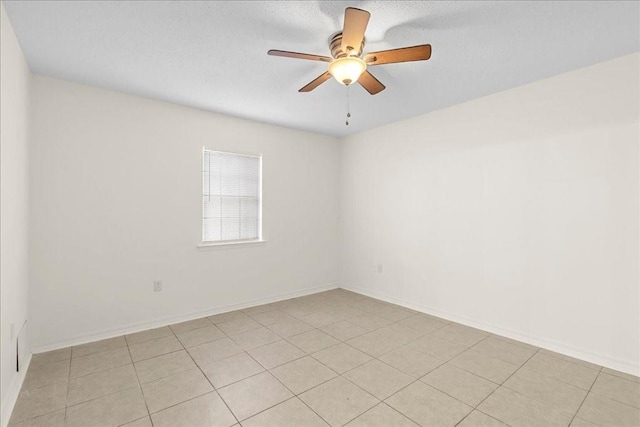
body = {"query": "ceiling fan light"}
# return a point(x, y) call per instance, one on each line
point(347, 70)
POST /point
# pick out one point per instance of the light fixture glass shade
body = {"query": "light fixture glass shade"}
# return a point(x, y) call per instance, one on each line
point(347, 70)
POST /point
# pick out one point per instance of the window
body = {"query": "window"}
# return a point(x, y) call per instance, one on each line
point(231, 197)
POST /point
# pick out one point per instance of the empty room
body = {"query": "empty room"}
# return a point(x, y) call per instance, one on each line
point(319, 213)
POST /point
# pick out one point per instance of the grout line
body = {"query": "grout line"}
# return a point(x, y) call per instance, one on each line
point(586, 395)
point(497, 388)
point(295, 395)
point(209, 381)
point(66, 398)
point(146, 405)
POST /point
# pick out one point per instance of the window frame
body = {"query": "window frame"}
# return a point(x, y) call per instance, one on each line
point(215, 243)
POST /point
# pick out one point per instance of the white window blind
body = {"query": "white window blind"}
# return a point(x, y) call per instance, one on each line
point(231, 197)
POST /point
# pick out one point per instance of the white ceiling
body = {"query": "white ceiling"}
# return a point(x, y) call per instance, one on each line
point(212, 55)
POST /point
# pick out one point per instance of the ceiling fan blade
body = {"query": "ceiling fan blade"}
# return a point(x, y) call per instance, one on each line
point(355, 24)
point(274, 52)
point(316, 82)
point(370, 83)
point(404, 54)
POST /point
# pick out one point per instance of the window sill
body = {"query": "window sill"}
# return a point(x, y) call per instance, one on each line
point(220, 245)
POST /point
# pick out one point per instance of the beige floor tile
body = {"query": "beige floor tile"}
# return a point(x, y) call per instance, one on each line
point(107, 411)
point(254, 394)
point(289, 328)
point(50, 357)
point(516, 409)
point(562, 370)
point(291, 412)
point(344, 330)
point(177, 388)
point(142, 422)
point(194, 337)
point(320, 319)
point(40, 401)
point(512, 341)
point(493, 369)
point(267, 307)
point(151, 334)
point(52, 419)
point(579, 422)
point(478, 419)
point(99, 362)
point(423, 323)
point(341, 357)
point(460, 334)
point(504, 350)
point(46, 374)
point(548, 391)
point(394, 313)
point(616, 388)
point(312, 341)
point(338, 401)
point(232, 369)
point(213, 351)
point(204, 411)
point(411, 361)
point(298, 310)
point(276, 354)
point(154, 348)
point(428, 406)
point(270, 317)
point(303, 374)
point(464, 386)
point(98, 346)
point(255, 338)
point(162, 366)
point(190, 325)
point(101, 383)
point(607, 412)
point(238, 325)
point(400, 333)
point(379, 379)
point(227, 317)
point(382, 415)
point(375, 343)
point(620, 374)
point(438, 348)
point(370, 321)
point(345, 312)
point(568, 358)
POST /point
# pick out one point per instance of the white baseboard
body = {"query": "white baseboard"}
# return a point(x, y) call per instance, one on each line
point(629, 367)
point(165, 321)
point(12, 394)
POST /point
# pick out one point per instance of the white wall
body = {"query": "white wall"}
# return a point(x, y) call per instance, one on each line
point(517, 213)
point(14, 186)
point(116, 204)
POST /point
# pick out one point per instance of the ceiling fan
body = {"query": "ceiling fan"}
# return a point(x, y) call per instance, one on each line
point(346, 64)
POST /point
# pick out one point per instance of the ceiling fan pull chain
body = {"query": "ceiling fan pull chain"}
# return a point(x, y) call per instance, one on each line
point(348, 108)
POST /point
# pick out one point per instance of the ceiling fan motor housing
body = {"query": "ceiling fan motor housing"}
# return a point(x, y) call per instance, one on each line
point(335, 46)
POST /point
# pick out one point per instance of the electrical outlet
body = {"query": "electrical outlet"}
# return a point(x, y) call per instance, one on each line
point(157, 286)
point(379, 268)
point(12, 331)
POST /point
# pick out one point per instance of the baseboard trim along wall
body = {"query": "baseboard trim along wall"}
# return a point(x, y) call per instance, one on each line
point(137, 327)
point(628, 367)
point(14, 390)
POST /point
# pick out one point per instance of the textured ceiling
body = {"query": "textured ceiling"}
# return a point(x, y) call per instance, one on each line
point(212, 55)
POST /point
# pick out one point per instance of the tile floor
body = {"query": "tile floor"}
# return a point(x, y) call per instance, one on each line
point(334, 358)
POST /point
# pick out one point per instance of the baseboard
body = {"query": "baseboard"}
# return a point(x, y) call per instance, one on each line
point(619, 365)
point(12, 394)
point(165, 321)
